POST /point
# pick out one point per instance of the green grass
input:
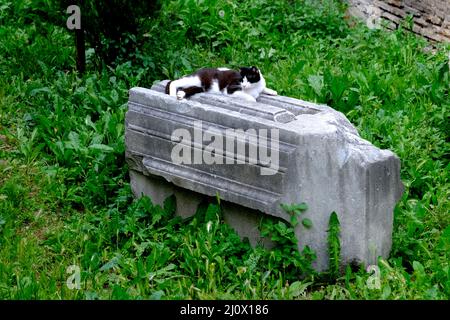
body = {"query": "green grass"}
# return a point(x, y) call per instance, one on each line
point(65, 197)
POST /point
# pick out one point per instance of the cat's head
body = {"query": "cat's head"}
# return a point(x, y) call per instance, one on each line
point(250, 76)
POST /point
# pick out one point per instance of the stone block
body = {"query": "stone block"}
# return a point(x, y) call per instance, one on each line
point(313, 155)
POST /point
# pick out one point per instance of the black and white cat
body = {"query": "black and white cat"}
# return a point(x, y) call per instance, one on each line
point(247, 83)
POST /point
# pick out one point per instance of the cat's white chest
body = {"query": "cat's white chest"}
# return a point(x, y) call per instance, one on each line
point(256, 89)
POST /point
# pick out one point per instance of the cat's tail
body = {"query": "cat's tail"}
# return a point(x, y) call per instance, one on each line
point(168, 87)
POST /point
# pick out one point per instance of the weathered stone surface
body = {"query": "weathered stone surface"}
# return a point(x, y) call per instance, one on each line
point(430, 17)
point(322, 161)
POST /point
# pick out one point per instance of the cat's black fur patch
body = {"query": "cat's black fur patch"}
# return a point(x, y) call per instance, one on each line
point(229, 79)
point(251, 73)
point(190, 91)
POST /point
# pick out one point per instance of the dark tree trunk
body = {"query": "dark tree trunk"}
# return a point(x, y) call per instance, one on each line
point(81, 56)
point(79, 41)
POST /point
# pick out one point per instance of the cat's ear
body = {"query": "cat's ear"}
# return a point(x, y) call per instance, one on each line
point(254, 69)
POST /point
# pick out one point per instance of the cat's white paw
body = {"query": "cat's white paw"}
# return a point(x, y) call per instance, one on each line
point(270, 92)
point(181, 94)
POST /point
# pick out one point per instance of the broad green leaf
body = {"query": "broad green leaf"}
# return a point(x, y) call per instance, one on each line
point(101, 147)
point(157, 295)
point(417, 266)
point(307, 223)
point(111, 263)
point(316, 82)
point(297, 288)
